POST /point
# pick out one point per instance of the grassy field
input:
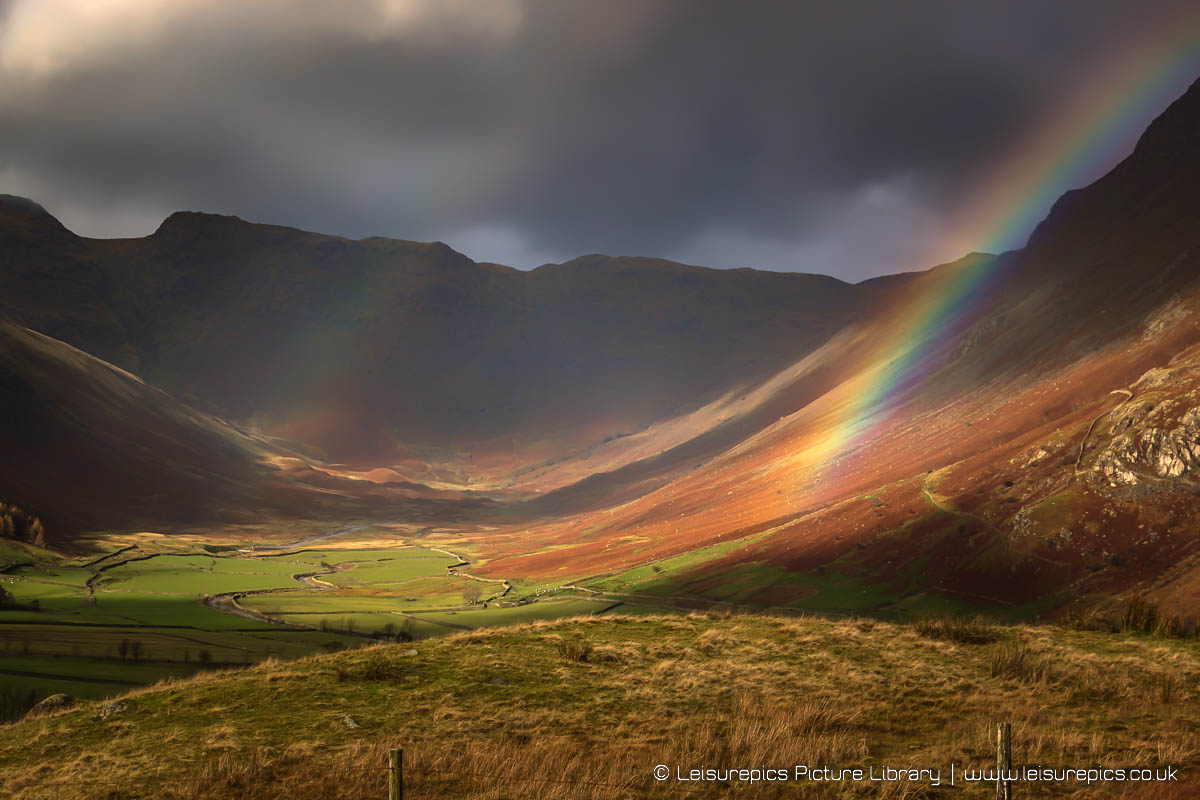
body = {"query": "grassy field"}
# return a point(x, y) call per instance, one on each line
point(94, 625)
point(660, 577)
point(141, 610)
point(588, 707)
point(546, 609)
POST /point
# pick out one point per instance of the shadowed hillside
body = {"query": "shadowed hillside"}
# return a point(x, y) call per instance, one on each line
point(88, 446)
point(379, 348)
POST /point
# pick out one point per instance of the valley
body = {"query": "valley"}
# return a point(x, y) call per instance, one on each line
point(599, 401)
point(159, 607)
point(955, 537)
point(262, 488)
point(959, 507)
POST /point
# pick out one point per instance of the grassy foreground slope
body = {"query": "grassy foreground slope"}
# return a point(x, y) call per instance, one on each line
point(588, 707)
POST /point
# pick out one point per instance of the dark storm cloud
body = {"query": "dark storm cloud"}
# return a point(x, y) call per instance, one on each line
point(818, 136)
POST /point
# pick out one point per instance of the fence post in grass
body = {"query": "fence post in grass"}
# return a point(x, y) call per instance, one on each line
point(395, 774)
point(1003, 760)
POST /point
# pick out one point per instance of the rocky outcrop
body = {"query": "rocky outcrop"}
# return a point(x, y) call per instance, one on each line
point(110, 709)
point(1146, 439)
point(51, 705)
point(1176, 451)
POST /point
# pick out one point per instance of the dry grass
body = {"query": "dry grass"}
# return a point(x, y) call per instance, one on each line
point(506, 714)
point(752, 729)
point(1138, 615)
point(1018, 662)
point(961, 630)
point(573, 649)
point(378, 664)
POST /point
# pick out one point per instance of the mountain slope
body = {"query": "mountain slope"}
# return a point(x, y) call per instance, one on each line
point(1040, 447)
point(379, 348)
point(742, 436)
point(89, 446)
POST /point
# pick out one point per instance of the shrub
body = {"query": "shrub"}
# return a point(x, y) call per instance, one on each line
point(1169, 626)
point(1140, 615)
point(21, 525)
point(1092, 621)
point(962, 630)
point(375, 666)
point(575, 649)
point(1017, 662)
point(1168, 688)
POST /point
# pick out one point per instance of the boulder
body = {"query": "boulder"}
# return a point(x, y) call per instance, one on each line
point(50, 705)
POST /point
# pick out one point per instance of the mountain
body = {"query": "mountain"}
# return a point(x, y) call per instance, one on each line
point(81, 437)
point(88, 446)
point(374, 349)
point(1018, 431)
point(1040, 450)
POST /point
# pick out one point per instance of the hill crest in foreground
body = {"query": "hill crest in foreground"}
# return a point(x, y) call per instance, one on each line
point(511, 712)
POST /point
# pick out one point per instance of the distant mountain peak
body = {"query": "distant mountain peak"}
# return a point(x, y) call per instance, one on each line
point(23, 203)
point(1177, 127)
point(10, 203)
point(32, 216)
point(182, 220)
point(1152, 192)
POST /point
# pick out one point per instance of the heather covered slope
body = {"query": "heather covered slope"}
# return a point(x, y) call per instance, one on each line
point(1023, 497)
point(588, 707)
point(1039, 449)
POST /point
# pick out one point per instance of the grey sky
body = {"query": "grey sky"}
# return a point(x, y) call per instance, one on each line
point(825, 137)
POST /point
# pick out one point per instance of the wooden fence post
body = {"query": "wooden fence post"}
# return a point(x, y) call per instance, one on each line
point(1003, 760)
point(395, 774)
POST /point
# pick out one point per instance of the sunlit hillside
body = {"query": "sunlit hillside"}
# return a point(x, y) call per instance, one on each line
point(590, 707)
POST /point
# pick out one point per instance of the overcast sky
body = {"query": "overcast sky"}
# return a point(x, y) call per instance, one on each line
point(835, 137)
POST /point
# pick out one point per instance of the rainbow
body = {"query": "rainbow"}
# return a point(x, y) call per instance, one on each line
point(1082, 143)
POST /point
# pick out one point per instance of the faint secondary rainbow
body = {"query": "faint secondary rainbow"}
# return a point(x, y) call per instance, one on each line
point(1075, 149)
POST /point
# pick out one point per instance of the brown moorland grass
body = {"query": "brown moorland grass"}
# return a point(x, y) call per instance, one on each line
point(508, 713)
point(963, 630)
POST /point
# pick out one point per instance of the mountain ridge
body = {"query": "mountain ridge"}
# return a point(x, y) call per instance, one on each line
point(922, 435)
point(145, 297)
